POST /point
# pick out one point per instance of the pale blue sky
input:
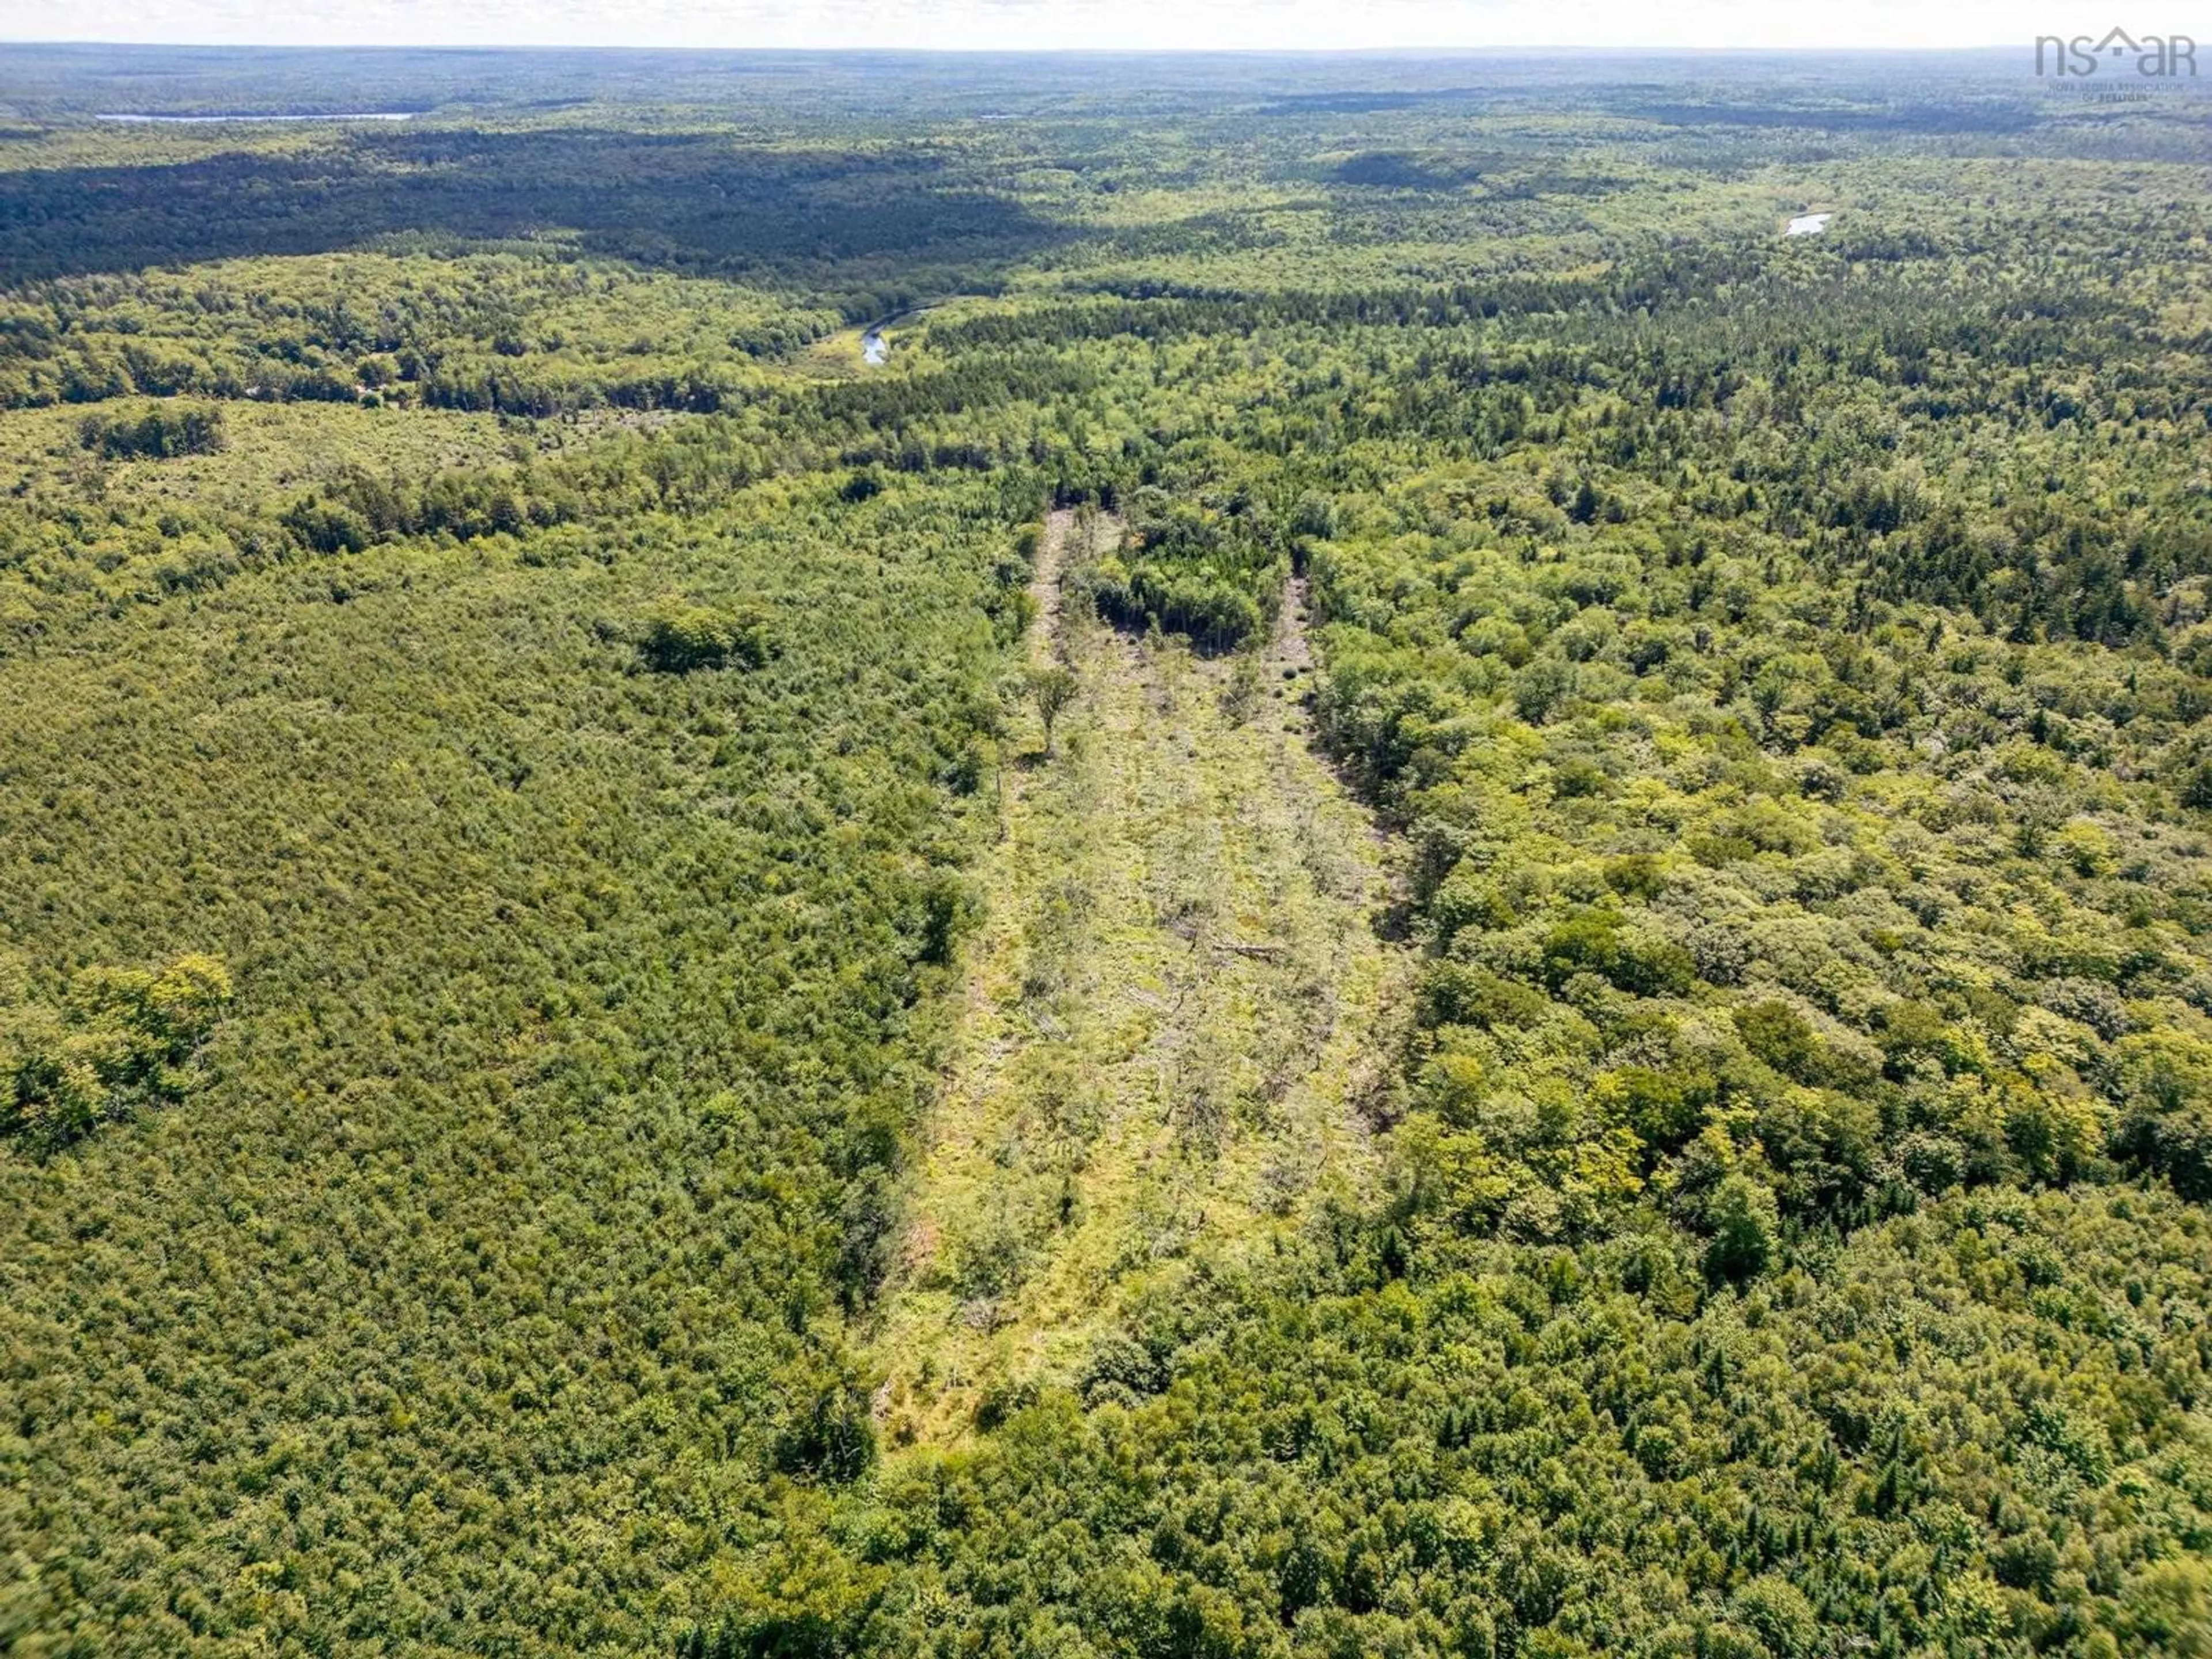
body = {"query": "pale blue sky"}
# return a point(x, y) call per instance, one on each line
point(1031, 24)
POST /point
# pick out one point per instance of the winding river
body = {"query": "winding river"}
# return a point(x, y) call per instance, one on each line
point(875, 349)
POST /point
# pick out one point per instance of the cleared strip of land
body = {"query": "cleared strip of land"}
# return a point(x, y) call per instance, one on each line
point(1170, 1015)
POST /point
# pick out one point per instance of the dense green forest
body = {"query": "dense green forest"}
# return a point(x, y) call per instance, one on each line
point(1559, 844)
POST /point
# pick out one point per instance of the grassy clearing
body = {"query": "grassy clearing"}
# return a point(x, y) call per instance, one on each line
point(273, 450)
point(269, 448)
point(1170, 1012)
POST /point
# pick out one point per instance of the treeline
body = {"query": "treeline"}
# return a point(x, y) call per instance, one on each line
point(515, 333)
point(589, 1009)
point(1922, 440)
point(1151, 310)
point(1207, 569)
point(844, 213)
point(943, 419)
point(158, 434)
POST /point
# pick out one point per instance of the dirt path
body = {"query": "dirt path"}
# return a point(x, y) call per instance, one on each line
point(1044, 585)
point(1170, 1012)
point(1289, 649)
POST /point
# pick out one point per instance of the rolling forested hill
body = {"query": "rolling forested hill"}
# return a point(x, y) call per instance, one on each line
point(1399, 891)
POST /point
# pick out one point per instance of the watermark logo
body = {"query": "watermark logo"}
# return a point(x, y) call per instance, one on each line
point(2153, 56)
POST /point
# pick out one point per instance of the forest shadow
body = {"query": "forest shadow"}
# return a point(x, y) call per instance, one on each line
point(691, 201)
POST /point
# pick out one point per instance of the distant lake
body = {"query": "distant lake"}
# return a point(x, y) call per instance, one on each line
point(204, 120)
point(1811, 225)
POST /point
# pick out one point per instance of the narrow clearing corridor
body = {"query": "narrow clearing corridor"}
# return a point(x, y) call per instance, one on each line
point(1171, 1011)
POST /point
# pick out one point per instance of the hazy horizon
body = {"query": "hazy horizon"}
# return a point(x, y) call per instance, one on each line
point(969, 26)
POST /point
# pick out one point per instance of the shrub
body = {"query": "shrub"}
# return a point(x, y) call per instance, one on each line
point(118, 1039)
